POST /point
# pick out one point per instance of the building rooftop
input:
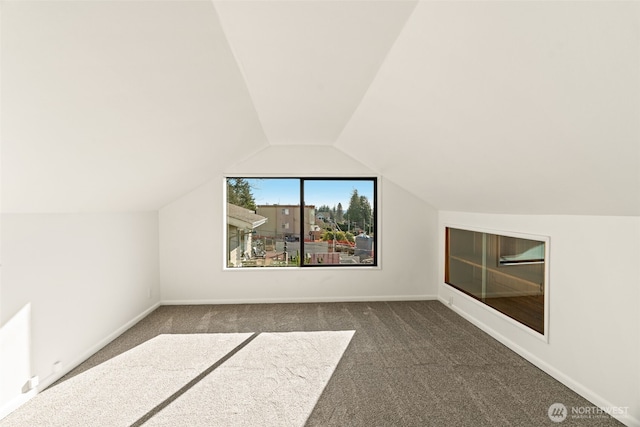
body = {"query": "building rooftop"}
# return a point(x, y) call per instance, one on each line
point(242, 217)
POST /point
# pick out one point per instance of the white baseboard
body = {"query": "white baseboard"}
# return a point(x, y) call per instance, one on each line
point(17, 402)
point(574, 385)
point(46, 382)
point(301, 300)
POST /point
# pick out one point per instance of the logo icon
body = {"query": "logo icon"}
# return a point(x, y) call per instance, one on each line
point(557, 412)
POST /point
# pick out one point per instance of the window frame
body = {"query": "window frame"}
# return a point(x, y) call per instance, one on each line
point(375, 264)
point(543, 336)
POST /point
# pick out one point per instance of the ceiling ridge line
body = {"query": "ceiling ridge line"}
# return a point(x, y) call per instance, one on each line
point(240, 69)
point(375, 77)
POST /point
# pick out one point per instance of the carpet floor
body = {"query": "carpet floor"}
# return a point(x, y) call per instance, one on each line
point(414, 363)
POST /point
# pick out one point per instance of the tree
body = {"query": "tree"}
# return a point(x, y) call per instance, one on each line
point(367, 212)
point(354, 214)
point(339, 213)
point(239, 193)
point(360, 211)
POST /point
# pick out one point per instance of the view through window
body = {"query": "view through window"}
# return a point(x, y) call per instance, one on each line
point(301, 222)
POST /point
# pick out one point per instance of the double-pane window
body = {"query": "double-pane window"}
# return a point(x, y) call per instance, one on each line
point(301, 222)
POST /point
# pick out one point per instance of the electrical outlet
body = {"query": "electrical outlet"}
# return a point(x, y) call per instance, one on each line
point(33, 382)
point(149, 293)
point(450, 301)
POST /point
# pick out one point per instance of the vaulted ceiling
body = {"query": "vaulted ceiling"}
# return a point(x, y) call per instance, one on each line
point(514, 107)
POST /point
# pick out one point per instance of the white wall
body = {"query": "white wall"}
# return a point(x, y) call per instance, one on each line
point(594, 327)
point(192, 251)
point(70, 283)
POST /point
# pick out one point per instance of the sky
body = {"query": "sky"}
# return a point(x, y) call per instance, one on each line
point(285, 191)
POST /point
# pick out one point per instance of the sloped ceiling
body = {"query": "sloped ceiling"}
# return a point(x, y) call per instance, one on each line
point(512, 107)
point(117, 105)
point(307, 64)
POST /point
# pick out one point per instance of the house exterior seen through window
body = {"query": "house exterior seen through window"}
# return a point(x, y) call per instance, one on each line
point(301, 222)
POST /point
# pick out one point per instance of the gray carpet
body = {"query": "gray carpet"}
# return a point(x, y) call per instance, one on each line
point(407, 364)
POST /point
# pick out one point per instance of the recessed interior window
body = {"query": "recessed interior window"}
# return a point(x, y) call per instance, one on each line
point(506, 273)
point(301, 222)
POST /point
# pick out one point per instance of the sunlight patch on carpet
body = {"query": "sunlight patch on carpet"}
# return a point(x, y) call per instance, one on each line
point(121, 390)
point(276, 380)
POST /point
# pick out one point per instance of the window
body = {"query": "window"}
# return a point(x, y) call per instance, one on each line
point(301, 222)
point(507, 273)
